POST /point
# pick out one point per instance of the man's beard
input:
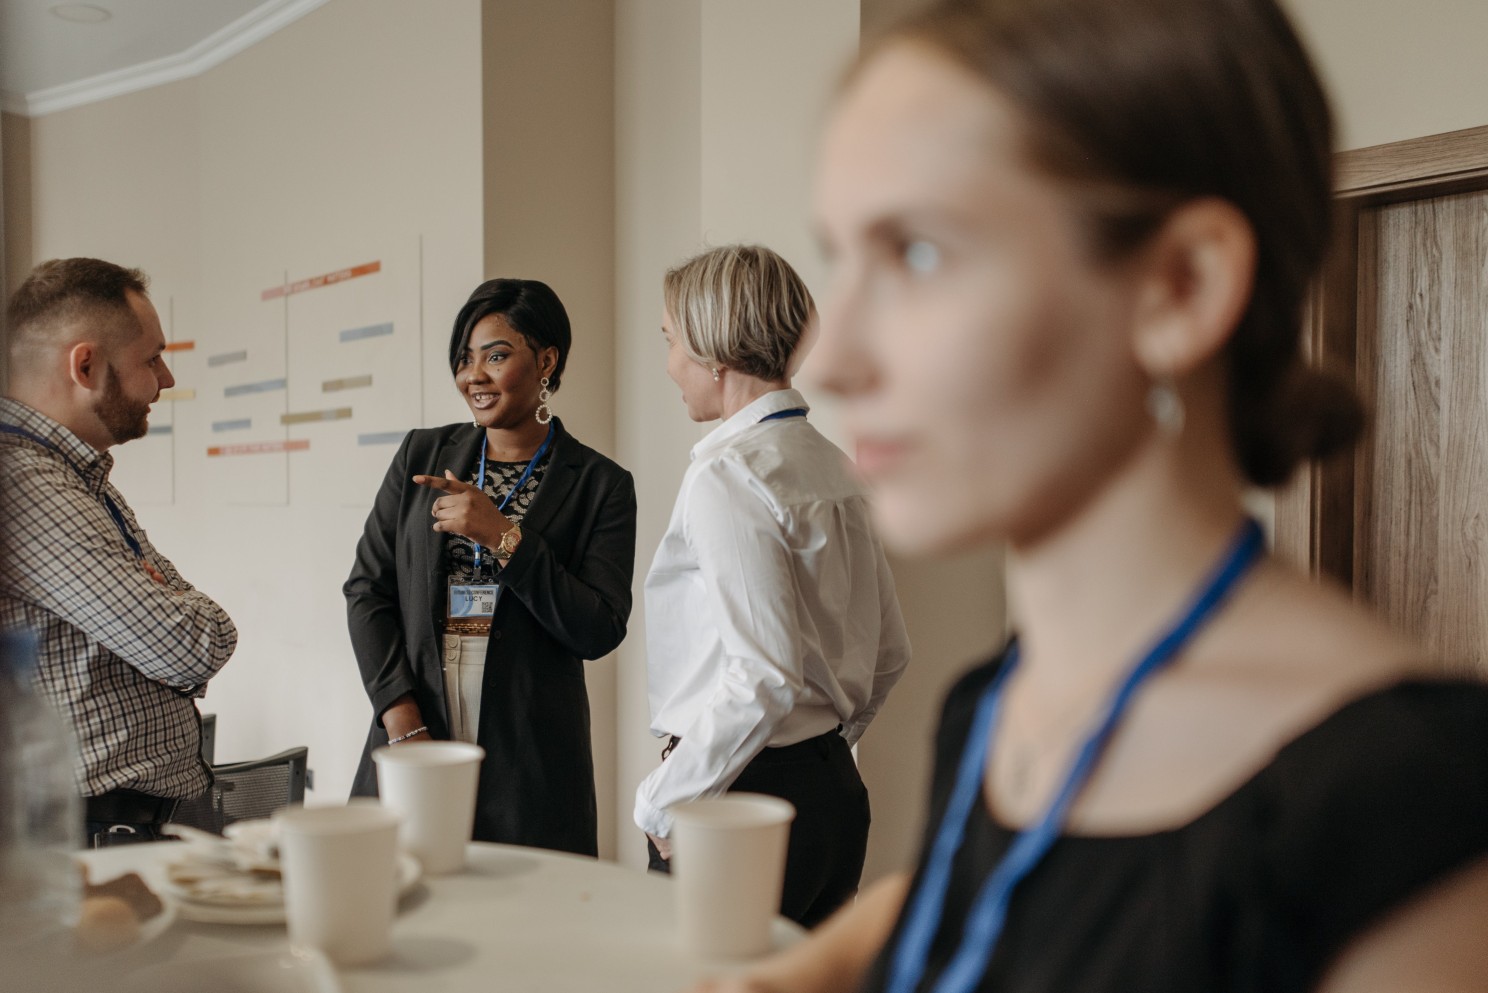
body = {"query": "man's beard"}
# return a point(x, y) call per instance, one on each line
point(124, 418)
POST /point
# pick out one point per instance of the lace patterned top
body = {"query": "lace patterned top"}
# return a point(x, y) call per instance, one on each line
point(500, 478)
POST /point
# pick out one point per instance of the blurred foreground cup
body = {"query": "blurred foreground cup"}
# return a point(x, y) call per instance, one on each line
point(728, 860)
point(432, 784)
point(340, 879)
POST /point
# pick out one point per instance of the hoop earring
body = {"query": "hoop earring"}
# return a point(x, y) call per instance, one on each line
point(1166, 406)
point(544, 412)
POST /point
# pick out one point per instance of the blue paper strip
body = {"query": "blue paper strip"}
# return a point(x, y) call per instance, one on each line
point(237, 425)
point(267, 386)
point(371, 331)
point(381, 438)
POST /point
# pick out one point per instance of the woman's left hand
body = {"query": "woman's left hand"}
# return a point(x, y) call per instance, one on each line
point(465, 510)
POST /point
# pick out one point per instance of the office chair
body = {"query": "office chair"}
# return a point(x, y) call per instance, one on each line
point(244, 790)
point(209, 738)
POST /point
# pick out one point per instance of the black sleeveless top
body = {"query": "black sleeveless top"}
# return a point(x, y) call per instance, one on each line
point(1261, 892)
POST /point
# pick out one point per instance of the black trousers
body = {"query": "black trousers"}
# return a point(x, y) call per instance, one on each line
point(828, 838)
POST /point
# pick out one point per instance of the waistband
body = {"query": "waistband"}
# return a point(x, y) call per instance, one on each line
point(128, 807)
point(818, 745)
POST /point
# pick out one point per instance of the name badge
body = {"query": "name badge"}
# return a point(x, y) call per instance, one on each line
point(474, 601)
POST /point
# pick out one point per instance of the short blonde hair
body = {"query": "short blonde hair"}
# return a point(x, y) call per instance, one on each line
point(740, 306)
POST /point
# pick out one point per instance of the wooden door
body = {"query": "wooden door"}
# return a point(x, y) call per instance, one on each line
point(1404, 309)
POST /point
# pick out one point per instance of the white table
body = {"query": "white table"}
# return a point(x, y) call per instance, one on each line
point(516, 920)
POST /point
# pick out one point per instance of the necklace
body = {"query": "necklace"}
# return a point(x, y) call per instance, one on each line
point(1026, 748)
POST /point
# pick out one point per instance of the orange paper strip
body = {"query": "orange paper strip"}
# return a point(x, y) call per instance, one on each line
point(260, 447)
point(315, 282)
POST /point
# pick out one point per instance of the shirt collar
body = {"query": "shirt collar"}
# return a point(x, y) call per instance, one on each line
point(93, 464)
point(761, 407)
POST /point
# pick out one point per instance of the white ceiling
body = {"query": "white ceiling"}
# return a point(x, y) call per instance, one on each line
point(47, 63)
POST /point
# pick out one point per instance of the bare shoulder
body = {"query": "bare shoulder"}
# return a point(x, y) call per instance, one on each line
point(1282, 657)
point(1433, 944)
point(1313, 632)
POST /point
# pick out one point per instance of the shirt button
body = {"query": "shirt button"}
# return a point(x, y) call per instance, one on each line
point(495, 635)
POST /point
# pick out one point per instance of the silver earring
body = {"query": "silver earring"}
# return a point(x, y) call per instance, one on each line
point(715, 374)
point(1166, 406)
point(544, 412)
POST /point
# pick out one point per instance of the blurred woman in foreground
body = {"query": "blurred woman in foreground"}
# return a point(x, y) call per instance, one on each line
point(1070, 242)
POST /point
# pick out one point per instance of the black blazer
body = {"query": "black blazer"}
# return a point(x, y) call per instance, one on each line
point(566, 598)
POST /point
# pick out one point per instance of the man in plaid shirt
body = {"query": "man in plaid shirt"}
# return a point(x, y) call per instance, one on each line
point(125, 645)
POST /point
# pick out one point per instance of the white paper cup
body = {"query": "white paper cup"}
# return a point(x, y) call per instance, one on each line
point(340, 879)
point(728, 860)
point(432, 784)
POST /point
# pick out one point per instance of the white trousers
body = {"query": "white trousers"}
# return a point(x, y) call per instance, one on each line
point(464, 668)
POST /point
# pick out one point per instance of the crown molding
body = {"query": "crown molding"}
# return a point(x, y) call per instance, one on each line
point(213, 50)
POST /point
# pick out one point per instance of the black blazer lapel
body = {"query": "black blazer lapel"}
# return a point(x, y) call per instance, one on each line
point(557, 482)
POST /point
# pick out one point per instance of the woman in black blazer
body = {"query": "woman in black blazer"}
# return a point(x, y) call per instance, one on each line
point(497, 558)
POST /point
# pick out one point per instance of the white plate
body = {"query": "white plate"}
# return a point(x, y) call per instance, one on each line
point(409, 873)
point(306, 971)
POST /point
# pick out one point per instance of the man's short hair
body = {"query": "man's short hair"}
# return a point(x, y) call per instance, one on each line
point(62, 293)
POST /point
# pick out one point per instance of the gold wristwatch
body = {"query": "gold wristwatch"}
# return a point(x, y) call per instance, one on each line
point(511, 540)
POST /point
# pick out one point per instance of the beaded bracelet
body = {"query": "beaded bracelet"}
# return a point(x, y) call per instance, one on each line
point(405, 737)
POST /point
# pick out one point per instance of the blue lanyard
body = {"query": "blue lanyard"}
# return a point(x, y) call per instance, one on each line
point(108, 502)
point(782, 414)
point(480, 481)
point(988, 912)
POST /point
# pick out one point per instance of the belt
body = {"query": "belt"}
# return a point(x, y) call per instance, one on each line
point(818, 744)
point(468, 626)
point(128, 807)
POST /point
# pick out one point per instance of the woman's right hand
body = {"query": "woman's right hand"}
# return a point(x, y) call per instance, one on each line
point(402, 717)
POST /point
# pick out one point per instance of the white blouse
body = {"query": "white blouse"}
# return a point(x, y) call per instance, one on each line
point(770, 610)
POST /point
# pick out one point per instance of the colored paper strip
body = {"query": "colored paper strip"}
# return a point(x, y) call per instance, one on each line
point(224, 358)
point(233, 425)
point(180, 346)
point(315, 282)
point(311, 416)
point(162, 429)
point(370, 331)
point(381, 438)
point(260, 448)
point(266, 386)
point(346, 383)
point(178, 393)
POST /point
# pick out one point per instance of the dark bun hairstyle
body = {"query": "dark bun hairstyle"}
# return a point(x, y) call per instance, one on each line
point(1142, 105)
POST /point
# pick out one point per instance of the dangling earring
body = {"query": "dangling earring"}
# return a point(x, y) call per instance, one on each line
point(544, 412)
point(1165, 405)
point(715, 374)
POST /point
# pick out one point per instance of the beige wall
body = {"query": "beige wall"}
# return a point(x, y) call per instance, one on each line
point(1399, 70)
point(549, 180)
point(658, 218)
point(15, 208)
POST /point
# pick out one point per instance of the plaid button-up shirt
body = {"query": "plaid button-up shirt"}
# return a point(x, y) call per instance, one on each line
point(119, 654)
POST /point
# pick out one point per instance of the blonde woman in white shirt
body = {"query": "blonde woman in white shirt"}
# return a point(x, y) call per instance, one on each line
point(773, 631)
